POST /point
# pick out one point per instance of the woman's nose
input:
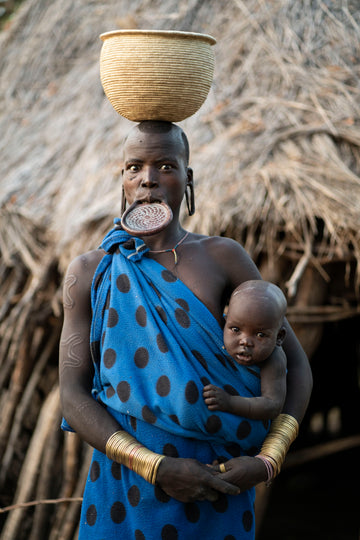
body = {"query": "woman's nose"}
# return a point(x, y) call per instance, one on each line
point(149, 177)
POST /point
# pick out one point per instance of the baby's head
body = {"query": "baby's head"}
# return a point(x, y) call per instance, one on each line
point(255, 321)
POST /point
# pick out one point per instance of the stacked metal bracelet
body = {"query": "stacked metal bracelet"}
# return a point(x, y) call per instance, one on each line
point(125, 449)
point(283, 431)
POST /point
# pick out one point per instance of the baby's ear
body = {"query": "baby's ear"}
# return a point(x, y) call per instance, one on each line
point(281, 336)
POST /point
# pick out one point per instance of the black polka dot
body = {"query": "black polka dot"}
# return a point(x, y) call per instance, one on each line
point(91, 515)
point(107, 301)
point(148, 415)
point(123, 390)
point(253, 451)
point(182, 318)
point(234, 449)
point(118, 512)
point(168, 276)
point(161, 343)
point(192, 512)
point(221, 359)
point(199, 357)
point(109, 358)
point(116, 470)
point(183, 303)
point(213, 424)
point(266, 424)
point(163, 386)
point(160, 495)
point(103, 338)
point(141, 357)
point(161, 314)
point(113, 318)
point(231, 390)
point(139, 535)
point(191, 392)
point(229, 537)
point(110, 392)
point(247, 520)
point(205, 381)
point(169, 532)
point(140, 316)
point(170, 450)
point(243, 430)
point(123, 283)
point(94, 471)
point(221, 504)
point(134, 495)
point(175, 419)
point(133, 422)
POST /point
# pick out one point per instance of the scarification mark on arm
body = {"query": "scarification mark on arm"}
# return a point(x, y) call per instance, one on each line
point(71, 357)
point(70, 281)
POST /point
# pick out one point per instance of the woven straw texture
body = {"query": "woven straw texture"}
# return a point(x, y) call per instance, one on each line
point(156, 75)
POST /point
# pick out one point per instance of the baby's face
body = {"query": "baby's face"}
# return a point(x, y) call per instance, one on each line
point(251, 330)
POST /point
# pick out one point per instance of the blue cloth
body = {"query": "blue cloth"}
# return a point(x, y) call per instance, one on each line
point(155, 345)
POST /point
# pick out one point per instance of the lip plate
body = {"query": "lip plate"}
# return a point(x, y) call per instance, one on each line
point(138, 214)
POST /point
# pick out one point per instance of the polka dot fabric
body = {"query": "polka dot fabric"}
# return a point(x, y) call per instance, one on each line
point(156, 346)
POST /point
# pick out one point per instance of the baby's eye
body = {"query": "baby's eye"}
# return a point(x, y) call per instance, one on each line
point(235, 329)
point(261, 334)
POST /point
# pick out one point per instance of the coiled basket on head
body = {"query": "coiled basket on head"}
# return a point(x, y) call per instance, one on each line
point(156, 74)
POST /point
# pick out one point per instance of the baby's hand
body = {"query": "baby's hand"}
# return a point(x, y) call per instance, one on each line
point(215, 398)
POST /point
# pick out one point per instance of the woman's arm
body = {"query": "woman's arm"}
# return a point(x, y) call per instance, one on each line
point(299, 377)
point(86, 416)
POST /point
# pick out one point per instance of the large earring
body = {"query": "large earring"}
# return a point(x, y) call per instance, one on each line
point(190, 199)
point(123, 200)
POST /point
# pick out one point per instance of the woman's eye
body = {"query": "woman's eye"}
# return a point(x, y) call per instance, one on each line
point(133, 168)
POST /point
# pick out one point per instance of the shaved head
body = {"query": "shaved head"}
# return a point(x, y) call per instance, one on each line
point(267, 291)
point(160, 127)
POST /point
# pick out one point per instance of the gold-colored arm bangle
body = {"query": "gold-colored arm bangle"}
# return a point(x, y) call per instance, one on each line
point(283, 431)
point(125, 449)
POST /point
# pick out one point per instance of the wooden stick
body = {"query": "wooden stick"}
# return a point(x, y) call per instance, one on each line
point(305, 455)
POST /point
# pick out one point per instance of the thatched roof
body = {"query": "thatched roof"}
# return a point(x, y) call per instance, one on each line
point(276, 143)
point(275, 151)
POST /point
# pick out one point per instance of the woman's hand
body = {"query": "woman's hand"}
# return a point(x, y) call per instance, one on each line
point(188, 480)
point(244, 472)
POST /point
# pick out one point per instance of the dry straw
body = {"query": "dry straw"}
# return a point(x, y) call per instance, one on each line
point(156, 75)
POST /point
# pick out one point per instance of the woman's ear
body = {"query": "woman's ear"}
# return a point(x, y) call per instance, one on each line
point(281, 336)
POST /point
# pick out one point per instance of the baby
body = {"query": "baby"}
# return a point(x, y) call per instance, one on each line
point(254, 327)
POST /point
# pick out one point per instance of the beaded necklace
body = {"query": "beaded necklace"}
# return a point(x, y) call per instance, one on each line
point(172, 249)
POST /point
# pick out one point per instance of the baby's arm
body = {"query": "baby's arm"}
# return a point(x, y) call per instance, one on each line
point(265, 407)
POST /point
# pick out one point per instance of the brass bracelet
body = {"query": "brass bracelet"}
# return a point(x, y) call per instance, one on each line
point(283, 431)
point(125, 449)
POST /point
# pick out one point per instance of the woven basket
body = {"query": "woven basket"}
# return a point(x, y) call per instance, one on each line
point(156, 75)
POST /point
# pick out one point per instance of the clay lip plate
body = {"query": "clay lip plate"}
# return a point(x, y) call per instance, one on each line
point(144, 219)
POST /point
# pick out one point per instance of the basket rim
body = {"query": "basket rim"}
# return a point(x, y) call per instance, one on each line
point(164, 33)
